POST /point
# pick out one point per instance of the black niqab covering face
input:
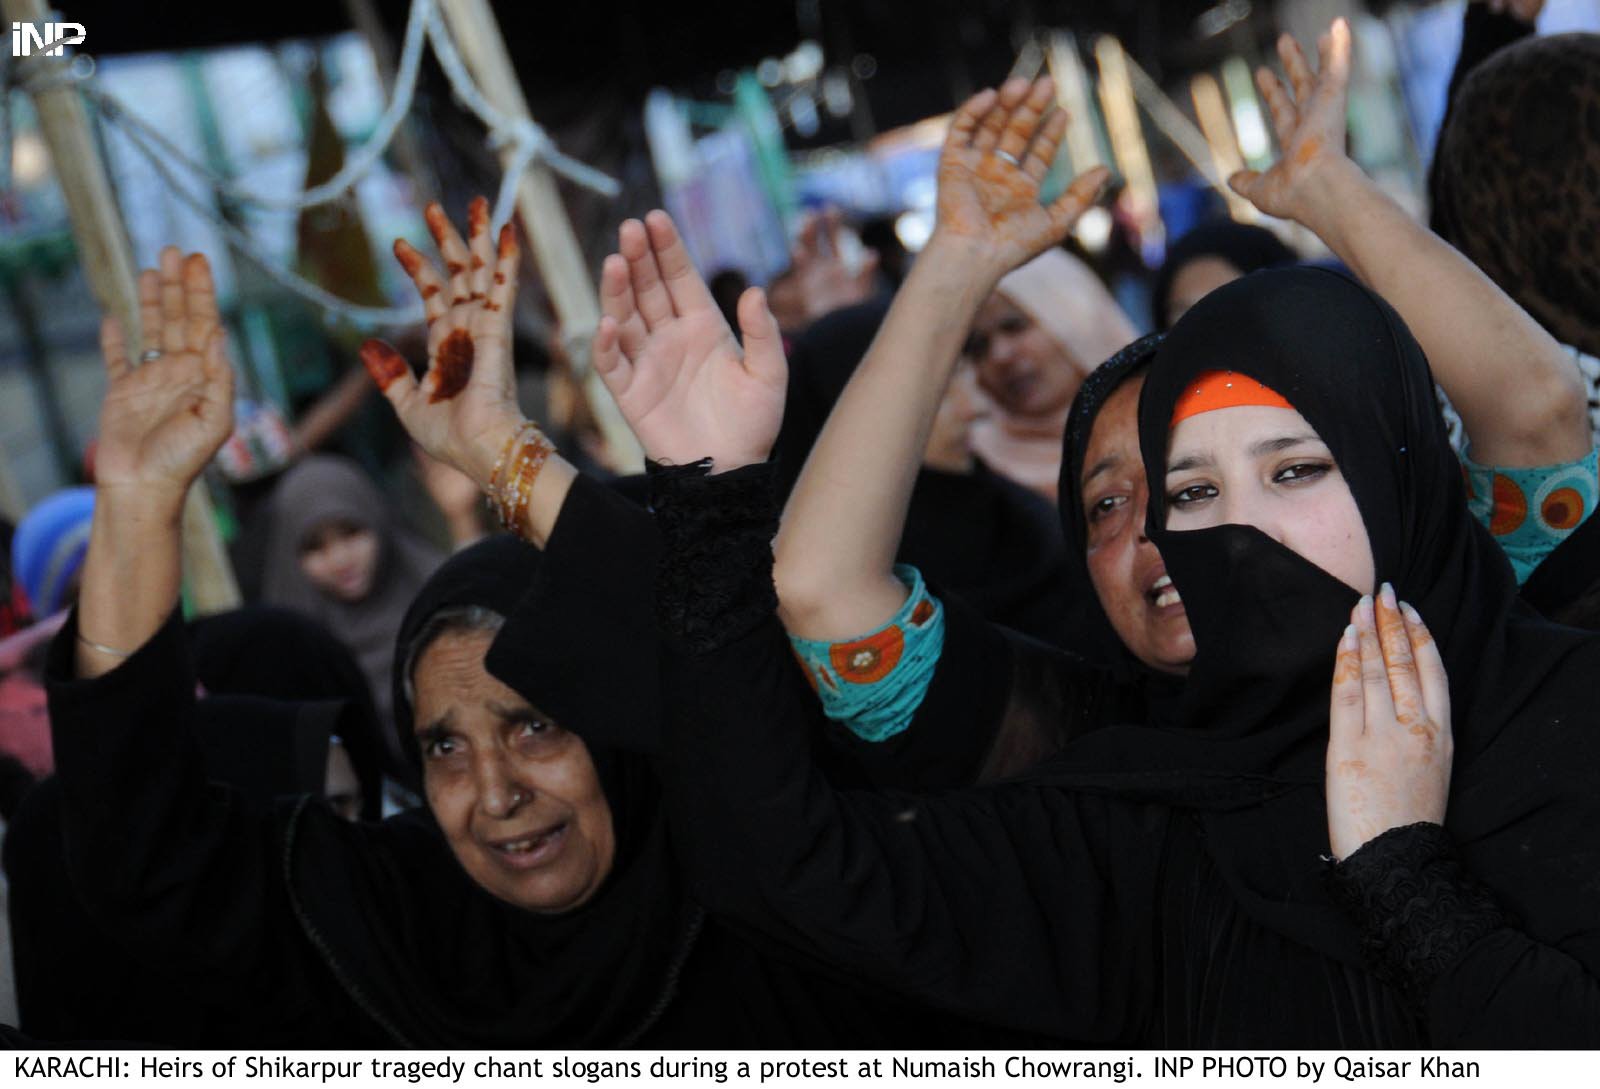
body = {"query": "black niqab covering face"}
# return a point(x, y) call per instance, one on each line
point(1244, 744)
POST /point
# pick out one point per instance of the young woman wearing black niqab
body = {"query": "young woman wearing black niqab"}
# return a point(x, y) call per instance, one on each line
point(1511, 382)
point(1162, 883)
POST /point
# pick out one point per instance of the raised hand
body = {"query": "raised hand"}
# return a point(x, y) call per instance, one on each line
point(827, 282)
point(1389, 740)
point(465, 407)
point(1309, 121)
point(667, 355)
point(995, 157)
point(162, 420)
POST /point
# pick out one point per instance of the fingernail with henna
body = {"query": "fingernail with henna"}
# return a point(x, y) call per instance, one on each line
point(409, 258)
point(508, 241)
point(438, 222)
point(478, 215)
point(383, 363)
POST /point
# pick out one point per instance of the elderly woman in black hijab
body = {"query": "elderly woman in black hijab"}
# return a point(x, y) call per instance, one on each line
point(534, 902)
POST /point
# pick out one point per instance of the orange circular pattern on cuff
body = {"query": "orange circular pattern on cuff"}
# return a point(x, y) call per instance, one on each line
point(1510, 506)
point(866, 660)
point(1562, 508)
point(923, 611)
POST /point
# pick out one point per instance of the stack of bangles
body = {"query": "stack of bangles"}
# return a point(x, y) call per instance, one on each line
point(511, 483)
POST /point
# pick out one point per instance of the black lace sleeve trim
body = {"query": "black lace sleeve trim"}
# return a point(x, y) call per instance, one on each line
point(1418, 908)
point(715, 580)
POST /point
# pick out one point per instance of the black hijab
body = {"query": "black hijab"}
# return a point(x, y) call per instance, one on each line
point(438, 961)
point(262, 651)
point(1091, 635)
point(1245, 246)
point(1244, 744)
point(979, 536)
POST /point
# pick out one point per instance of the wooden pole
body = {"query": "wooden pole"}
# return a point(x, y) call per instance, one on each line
point(107, 260)
point(476, 33)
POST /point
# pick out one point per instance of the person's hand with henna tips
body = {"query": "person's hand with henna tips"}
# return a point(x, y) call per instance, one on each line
point(1389, 743)
point(835, 552)
point(160, 423)
point(1521, 398)
point(464, 410)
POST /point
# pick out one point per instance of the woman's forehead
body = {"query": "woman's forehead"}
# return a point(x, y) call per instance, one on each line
point(1248, 429)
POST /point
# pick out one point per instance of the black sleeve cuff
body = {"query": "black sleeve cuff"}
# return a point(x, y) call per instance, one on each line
point(1418, 908)
point(593, 589)
point(161, 666)
point(714, 583)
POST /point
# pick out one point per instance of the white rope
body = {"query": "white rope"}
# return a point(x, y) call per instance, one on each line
point(336, 307)
point(530, 143)
point(423, 25)
point(528, 138)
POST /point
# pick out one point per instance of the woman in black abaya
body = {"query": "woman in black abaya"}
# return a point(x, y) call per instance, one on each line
point(1161, 884)
point(533, 902)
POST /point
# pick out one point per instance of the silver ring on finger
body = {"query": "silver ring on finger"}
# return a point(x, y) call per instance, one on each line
point(1006, 156)
point(150, 355)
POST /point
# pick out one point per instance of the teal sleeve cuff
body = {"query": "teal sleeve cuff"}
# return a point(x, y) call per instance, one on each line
point(1531, 511)
point(873, 685)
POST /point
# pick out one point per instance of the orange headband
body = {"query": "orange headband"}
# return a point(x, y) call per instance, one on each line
point(1223, 389)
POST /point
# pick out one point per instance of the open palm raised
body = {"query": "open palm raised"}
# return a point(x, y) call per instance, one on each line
point(162, 421)
point(995, 158)
point(667, 355)
point(465, 406)
point(1309, 122)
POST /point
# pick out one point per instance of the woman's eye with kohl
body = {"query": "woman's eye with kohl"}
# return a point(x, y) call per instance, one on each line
point(1301, 472)
point(1191, 494)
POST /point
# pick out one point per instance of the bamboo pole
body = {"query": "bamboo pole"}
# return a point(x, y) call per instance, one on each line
point(477, 36)
point(107, 260)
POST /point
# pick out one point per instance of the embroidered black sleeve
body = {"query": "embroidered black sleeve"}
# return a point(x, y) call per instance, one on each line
point(1418, 908)
point(715, 580)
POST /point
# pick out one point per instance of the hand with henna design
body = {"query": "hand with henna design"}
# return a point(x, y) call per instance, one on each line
point(995, 157)
point(1310, 123)
point(665, 352)
point(1389, 742)
point(465, 406)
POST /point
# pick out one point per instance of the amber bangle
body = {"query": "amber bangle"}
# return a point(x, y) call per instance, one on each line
point(511, 483)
